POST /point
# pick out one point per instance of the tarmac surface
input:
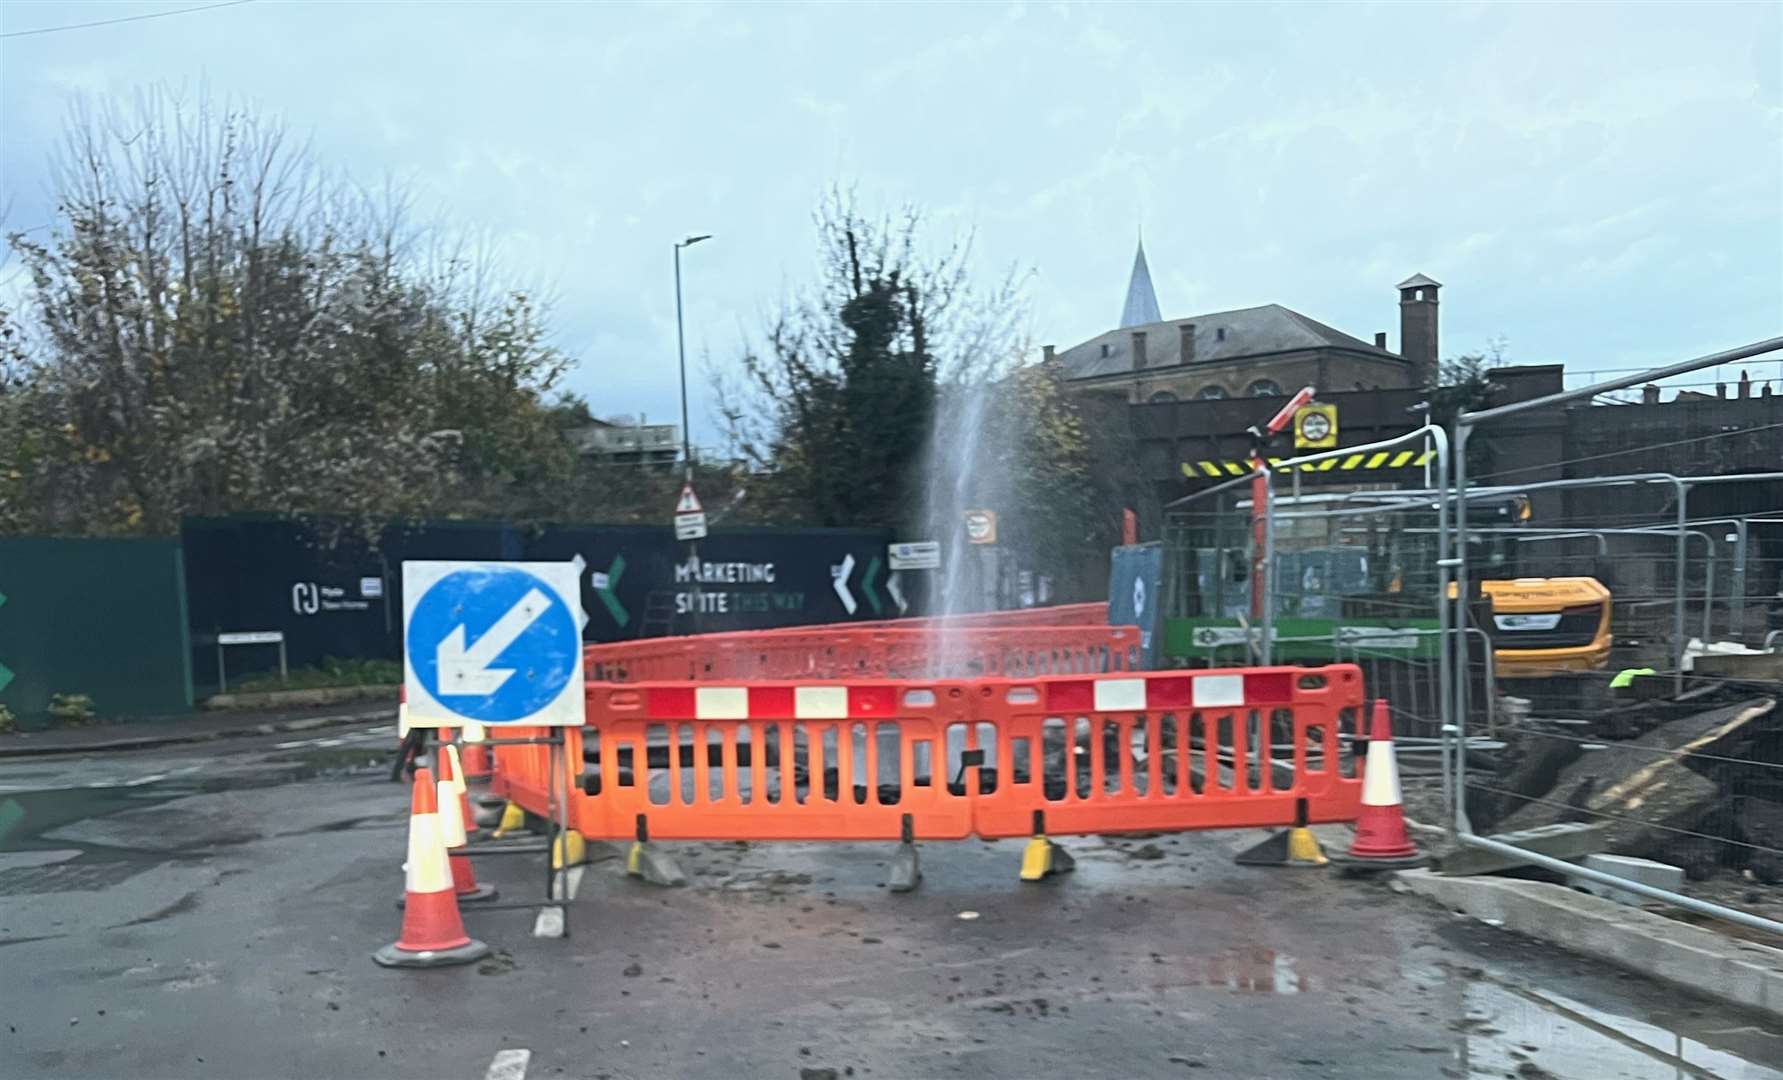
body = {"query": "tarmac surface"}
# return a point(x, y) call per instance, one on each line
point(210, 910)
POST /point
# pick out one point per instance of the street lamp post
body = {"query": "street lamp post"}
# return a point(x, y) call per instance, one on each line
point(681, 351)
point(693, 547)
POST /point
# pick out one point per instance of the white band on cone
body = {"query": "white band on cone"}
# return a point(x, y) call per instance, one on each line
point(457, 771)
point(402, 720)
point(1380, 775)
point(451, 816)
point(473, 732)
point(428, 870)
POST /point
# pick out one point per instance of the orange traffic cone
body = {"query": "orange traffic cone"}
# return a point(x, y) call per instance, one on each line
point(454, 814)
point(1382, 842)
point(476, 755)
point(432, 930)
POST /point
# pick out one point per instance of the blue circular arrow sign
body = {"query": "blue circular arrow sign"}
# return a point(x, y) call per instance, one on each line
point(493, 644)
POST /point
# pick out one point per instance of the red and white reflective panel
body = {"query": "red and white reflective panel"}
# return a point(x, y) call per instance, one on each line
point(1229, 689)
point(769, 702)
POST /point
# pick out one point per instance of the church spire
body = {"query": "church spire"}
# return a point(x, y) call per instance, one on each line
point(1142, 302)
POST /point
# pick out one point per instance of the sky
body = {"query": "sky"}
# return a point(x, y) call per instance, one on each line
point(1596, 185)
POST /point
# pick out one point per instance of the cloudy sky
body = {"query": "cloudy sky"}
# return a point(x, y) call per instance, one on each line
point(1599, 185)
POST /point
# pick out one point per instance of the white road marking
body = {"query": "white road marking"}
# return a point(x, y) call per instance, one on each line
point(549, 923)
point(374, 735)
point(508, 1065)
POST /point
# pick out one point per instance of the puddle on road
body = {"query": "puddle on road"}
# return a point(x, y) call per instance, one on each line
point(1537, 1032)
point(1511, 1030)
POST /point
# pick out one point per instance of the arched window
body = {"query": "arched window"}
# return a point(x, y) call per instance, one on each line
point(1263, 388)
point(1162, 397)
point(1213, 392)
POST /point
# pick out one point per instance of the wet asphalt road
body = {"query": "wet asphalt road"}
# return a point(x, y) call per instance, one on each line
point(211, 911)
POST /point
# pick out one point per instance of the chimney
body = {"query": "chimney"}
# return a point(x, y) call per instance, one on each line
point(1188, 342)
point(1745, 384)
point(1417, 326)
point(1138, 350)
point(1649, 394)
point(1380, 339)
point(1046, 354)
point(1721, 390)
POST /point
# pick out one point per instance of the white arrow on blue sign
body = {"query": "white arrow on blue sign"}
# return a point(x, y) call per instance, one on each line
point(494, 642)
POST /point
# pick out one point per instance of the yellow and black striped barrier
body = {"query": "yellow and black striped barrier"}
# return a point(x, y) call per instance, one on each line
point(1380, 459)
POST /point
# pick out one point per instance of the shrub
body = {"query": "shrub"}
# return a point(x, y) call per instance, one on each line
point(72, 708)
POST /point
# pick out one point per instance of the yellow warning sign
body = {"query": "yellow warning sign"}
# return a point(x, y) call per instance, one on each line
point(1315, 427)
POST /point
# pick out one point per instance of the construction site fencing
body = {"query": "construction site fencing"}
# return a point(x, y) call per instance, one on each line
point(992, 757)
point(853, 652)
point(1681, 768)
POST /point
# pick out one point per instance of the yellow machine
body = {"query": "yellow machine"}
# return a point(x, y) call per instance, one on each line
point(1542, 626)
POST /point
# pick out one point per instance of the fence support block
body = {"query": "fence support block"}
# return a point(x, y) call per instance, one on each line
point(646, 861)
point(906, 868)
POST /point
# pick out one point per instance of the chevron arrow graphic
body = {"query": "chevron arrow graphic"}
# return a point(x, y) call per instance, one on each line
point(896, 590)
point(608, 591)
point(867, 577)
point(840, 573)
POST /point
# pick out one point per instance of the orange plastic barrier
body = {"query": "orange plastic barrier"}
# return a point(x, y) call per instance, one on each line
point(991, 757)
point(522, 774)
point(835, 762)
point(1218, 749)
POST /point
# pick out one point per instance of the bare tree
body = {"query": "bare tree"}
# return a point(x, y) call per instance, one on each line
point(833, 408)
point(225, 327)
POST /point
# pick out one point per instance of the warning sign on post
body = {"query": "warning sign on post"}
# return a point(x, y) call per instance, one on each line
point(1315, 427)
point(981, 526)
point(690, 516)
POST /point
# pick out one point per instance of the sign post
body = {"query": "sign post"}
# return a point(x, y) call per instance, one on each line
point(500, 644)
point(690, 525)
point(981, 531)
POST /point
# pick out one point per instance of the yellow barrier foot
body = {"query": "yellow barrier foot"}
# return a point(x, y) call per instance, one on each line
point(906, 868)
point(1291, 847)
point(1042, 858)
point(513, 819)
point(569, 849)
point(1296, 846)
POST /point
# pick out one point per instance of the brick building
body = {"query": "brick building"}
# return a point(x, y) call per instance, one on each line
point(1255, 352)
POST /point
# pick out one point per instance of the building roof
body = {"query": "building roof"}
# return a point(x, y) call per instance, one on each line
point(1142, 301)
point(1255, 331)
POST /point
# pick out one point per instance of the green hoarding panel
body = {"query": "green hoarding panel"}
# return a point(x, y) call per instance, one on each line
point(100, 617)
